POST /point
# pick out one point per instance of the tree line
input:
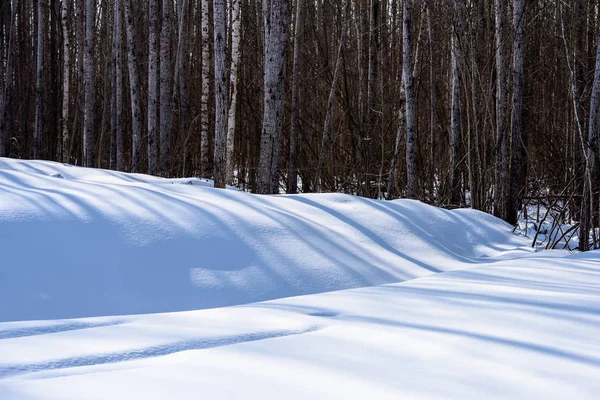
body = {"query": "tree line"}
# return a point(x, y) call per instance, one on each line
point(454, 103)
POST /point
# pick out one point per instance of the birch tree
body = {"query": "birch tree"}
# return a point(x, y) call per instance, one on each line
point(38, 80)
point(204, 143)
point(220, 55)
point(276, 16)
point(408, 78)
point(295, 115)
point(502, 156)
point(454, 120)
point(66, 80)
point(153, 88)
point(517, 112)
point(88, 116)
point(166, 89)
point(233, 86)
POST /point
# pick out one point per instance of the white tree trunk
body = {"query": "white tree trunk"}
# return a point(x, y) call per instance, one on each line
point(220, 55)
point(134, 89)
point(276, 18)
point(233, 88)
point(153, 71)
point(454, 120)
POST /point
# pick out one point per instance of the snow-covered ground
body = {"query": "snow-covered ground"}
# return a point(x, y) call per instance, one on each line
point(164, 285)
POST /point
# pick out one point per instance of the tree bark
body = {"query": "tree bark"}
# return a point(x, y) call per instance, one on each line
point(88, 61)
point(408, 78)
point(454, 121)
point(166, 90)
point(233, 87)
point(517, 113)
point(295, 118)
point(204, 116)
point(64, 15)
point(118, 86)
point(153, 88)
point(38, 81)
point(502, 156)
point(276, 16)
point(134, 91)
point(220, 55)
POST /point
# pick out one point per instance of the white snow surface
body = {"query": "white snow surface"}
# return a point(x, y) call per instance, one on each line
point(124, 286)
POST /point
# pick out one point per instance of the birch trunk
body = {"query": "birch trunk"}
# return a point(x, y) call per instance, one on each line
point(204, 143)
point(295, 122)
point(501, 172)
point(38, 81)
point(166, 89)
point(88, 113)
point(411, 129)
point(220, 55)
point(517, 112)
point(331, 98)
point(134, 89)
point(64, 15)
point(398, 146)
point(276, 16)
point(233, 88)
point(153, 72)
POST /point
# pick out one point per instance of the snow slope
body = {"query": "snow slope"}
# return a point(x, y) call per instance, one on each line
point(502, 331)
point(94, 242)
point(469, 310)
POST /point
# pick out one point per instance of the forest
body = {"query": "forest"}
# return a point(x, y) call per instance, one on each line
point(486, 104)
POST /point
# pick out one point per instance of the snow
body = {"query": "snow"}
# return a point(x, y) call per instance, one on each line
point(123, 286)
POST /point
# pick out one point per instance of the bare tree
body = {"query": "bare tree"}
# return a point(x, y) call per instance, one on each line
point(517, 112)
point(276, 16)
point(501, 174)
point(204, 143)
point(88, 61)
point(118, 87)
point(153, 88)
point(220, 54)
point(166, 89)
point(38, 80)
point(330, 100)
point(233, 87)
point(454, 120)
point(64, 15)
point(295, 117)
point(134, 91)
point(408, 78)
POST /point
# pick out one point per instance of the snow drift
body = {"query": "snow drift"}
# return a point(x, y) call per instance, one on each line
point(79, 242)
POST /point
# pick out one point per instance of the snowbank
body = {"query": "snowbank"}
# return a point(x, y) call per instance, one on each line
point(78, 242)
